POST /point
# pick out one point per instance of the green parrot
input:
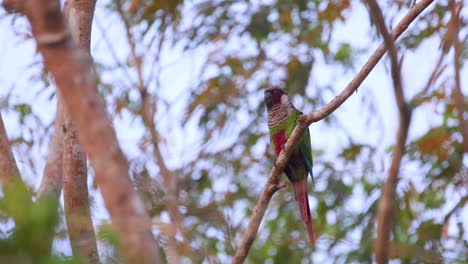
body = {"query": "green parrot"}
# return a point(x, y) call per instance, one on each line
point(282, 117)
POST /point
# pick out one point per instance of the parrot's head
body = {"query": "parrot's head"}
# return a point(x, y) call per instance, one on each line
point(276, 96)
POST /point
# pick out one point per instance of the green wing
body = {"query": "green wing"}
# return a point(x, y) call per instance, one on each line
point(306, 151)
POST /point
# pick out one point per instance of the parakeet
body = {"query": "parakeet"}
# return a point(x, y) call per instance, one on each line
point(282, 117)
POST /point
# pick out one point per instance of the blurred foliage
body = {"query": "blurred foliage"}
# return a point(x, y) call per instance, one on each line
point(27, 228)
point(251, 45)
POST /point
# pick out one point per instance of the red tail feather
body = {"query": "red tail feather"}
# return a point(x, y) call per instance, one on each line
point(300, 191)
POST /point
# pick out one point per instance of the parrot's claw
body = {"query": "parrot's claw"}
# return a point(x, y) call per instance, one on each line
point(281, 185)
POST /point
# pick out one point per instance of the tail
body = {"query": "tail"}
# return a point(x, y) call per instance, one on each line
point(300, 191)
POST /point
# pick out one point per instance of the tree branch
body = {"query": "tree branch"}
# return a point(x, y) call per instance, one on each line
point(385, 210)
point(303, 122)
point(72, 71)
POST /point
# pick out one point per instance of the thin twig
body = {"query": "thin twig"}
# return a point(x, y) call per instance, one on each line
point(112, 51)
point(459, 205)
point(439, 68)
point(303, 122)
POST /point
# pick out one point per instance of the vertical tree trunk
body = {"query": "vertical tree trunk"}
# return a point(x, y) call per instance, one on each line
point(75, 194)
point(75, 177)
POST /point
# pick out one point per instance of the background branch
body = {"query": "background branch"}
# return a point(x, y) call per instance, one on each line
point(303, 122)
point(459, 98)
point(385, 210)
point(170, 179)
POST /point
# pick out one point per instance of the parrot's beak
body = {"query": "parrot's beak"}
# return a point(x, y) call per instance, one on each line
point(268, 99)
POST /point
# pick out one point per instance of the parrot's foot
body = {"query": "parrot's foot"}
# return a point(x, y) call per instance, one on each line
point(278, 186)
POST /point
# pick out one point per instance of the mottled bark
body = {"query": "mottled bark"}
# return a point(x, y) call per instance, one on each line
point(75, 196)
point(75, 178)
point(72, 71)
point(79, 14)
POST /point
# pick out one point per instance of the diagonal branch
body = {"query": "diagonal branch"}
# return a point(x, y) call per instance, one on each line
point(72, 71)
point(304, 121)
point(385, 210)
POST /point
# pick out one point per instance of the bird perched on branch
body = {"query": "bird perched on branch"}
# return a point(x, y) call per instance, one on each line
point(282, 118)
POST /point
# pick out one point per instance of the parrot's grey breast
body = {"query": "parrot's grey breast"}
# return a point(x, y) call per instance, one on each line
point(278, 113)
